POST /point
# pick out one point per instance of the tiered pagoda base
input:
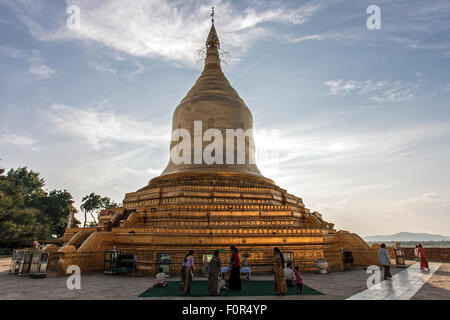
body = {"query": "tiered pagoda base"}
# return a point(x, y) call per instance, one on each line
point(208, 211)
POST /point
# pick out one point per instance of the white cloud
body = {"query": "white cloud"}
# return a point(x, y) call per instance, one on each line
point(419, 206)
point(336, 36)
point(296, 146)
point(102, 67)
point(383, 91)
point(134, 68)
point(37, 64)
point(398, 93)
point(343, 87)
point(38, 67)
point(173, 31)
point(41, 71)
point(19, 140)
point(11, 52)
point(139, 69)
point(104, 128)
point(408, 25)
point(329, 207)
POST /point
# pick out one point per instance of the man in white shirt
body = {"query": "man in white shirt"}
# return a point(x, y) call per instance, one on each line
point(289, 275)
point(161, 280)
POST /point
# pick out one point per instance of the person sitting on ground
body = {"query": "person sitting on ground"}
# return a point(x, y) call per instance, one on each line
point(298, 279)
point(161, 279)
point(289, 274)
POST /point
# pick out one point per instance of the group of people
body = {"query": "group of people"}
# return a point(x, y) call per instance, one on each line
point(284, 277)
point(293, 276)
point(215, 267)
point(385, 259)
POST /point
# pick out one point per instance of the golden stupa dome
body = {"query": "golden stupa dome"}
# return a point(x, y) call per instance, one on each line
point(214, 102)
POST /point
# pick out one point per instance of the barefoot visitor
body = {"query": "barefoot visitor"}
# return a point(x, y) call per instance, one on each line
point(298, 279)
point(213, 274)
point(385, 261)
point(422, 254)
point(187, 272)
point(280, 281)
point(235, 271)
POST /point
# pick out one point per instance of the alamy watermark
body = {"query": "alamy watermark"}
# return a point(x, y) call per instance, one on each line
point(374, 20)
point(74, 281)
point(374, 280)
point(231, 146)
point(241, 152)
point(73, 22)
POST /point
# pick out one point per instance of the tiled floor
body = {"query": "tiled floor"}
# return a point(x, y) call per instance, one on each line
point(336, 285)
point(438, 287)
point(403, 286)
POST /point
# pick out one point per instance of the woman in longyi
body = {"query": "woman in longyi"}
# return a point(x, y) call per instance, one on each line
point(280, 281)
point(187, 270)
point(235, 275)
point(422, 258)
point(213, 274)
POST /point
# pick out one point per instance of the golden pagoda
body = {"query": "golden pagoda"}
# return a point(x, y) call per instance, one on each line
point(205, 207)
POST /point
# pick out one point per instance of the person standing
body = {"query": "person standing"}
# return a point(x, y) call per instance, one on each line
point(416, 252)
point(187, 271)
point(422, 257)
point(213, 274)
point(235, 273)
point(280, 281)
point(289, 274)
point(298, 279)
point(385, 261)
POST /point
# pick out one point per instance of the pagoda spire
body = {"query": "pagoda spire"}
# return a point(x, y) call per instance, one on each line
point(212, 44)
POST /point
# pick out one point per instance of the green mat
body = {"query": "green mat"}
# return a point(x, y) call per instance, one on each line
point(200, 289)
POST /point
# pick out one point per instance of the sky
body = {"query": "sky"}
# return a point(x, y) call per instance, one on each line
point(359, 118)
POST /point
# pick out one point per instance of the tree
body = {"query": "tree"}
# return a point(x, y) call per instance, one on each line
point(29, 183)
point(56, 208)
point(94, 203)
point(27, 212)
point(108, 204)
point(90, 204)
point(19, 220)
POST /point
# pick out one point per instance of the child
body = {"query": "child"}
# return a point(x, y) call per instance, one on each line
point(298, 279)
point(161, 279)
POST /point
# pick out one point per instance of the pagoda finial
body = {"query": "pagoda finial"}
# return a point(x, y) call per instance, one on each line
point(213, 39)
point(212, 44)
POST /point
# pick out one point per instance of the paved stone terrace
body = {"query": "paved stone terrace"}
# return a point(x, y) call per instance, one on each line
point(403, 285)
point(336, 285)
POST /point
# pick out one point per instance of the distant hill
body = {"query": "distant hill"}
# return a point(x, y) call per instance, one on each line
point(408, 236)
